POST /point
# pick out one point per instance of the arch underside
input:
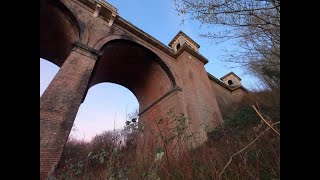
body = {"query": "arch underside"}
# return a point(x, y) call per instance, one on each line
point(59, 30)
point(135, 67)
point(124, 61)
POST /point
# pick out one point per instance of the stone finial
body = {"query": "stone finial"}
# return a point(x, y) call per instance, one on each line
point(231, 79)
point(180, 39)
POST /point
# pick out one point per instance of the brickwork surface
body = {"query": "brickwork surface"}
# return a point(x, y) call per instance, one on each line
point(113, 50)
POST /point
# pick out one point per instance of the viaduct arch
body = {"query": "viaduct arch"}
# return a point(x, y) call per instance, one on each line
point(92, 44)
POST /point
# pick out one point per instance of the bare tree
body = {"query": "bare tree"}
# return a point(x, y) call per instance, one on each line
point(254, 24)
point(107, 140)
point(130, 130)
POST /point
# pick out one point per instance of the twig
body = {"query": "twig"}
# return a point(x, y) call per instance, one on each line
point(240, 152)
point(265, 120)
point(163, 139)
point(245, 148)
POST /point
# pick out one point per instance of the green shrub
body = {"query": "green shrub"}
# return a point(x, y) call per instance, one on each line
point(216, 134)
point(243, 117)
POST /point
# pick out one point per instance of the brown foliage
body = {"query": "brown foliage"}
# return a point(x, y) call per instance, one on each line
point(244, 147)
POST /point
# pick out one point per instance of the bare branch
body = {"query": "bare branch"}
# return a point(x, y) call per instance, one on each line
point(245, 148)
point(265, 120)
point(253, 24)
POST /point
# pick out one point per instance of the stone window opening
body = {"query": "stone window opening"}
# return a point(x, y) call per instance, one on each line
point(230, 82)
point(178, 46)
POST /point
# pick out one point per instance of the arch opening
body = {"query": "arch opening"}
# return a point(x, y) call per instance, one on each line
point(48, 71)
point(106, 108)
point(100, 125)
point(59, 30)
point(178, 46)
point(135, 67)
point(230, 82)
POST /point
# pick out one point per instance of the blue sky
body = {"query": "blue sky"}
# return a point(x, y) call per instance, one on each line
point(106, 102)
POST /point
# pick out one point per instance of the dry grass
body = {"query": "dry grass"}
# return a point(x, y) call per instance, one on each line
point(245, 147)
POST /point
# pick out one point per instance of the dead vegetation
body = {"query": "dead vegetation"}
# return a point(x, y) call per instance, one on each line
point(246, 146)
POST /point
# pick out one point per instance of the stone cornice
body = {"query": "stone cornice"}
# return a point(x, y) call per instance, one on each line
point(102, 9)
point(109, 13)
point(86, 50)
point(104, 4)
point(176, 88)
point(190, 50)
point(156, 43)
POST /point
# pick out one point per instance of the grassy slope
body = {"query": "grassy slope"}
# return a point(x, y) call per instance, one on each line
point(105, 157)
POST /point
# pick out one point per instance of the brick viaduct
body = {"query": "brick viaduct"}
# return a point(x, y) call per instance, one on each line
point(92, 44)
